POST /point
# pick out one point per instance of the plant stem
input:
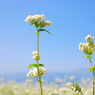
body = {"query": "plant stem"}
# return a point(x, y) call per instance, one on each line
point(90, 62)
point(38, 63)
point(93, 77)
point(93, 82)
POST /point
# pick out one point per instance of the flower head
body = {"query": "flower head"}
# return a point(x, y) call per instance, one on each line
point(34, 72)
point(89, 40)
point(34, 18)
point(35, 55)
point(89, 46)
point(84, 47)
point(38, 20)
point(75, 87)
point(54, 92)
point(44, 23)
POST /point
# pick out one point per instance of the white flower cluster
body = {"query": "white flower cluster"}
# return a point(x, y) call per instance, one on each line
point(75, 87)
point(44, 23)
point(54, 92)
point(34, 18)
point(35, 55)
point(89, 46)
point(34, 72)
point(89, 40)
point(39, 19)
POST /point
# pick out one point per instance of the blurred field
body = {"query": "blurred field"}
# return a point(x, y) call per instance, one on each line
point(30, 88)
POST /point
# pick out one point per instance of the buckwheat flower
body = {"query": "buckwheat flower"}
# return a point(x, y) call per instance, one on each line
point(84, 47)
point(48, 23)
point(42, 71)
point(89, 40)
point(34, 72)
point(30, 73)
point(75, 87)
point(34, 18)
point(63, 90)
point(44, 23)
point(89, 46)
point(35, 55)
point(93, 48)
point(53, 93)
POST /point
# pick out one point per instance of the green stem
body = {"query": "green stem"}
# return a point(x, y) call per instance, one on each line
point(93, 77)
point(90, 62)
point(93, 82)
point(38, 63)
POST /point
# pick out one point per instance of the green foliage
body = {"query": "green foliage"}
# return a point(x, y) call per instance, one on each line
point(41, 65)
point(44, 30)
point(91, 69)
point(35, 24)
point(35, 65)
point(32, 65)
point(88, 57)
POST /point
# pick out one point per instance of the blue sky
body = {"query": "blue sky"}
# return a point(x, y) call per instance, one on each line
point(72, 21)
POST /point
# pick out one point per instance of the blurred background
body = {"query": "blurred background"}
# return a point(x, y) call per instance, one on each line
point(72, 21)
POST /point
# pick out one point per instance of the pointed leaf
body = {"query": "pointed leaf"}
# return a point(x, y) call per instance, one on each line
point(32, 65)
point(93, 67)
point(41, 65)
point(91, 71)
point(44, 30)
point(89, 68)
point(88, 57)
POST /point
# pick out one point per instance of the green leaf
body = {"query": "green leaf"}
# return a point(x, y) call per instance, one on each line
point(36, 32)
point(34, 24)
point(90, 69)
point(93, 67)
point(32, 65)
point(44, 30)
point(41, 65)
point(88, 57)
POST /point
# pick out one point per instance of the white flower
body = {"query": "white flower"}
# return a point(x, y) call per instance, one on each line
point(93, 48)
point(89, 46)
point(84, 47)
point(63, 90)
point(75, 87)
point(42, 71)
point(34, 18)
point(30, 73)
point(48, 23)
point(89, 40)
point(53, 93)
point(34, 72)
point(35, 55)
point(44, 23)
